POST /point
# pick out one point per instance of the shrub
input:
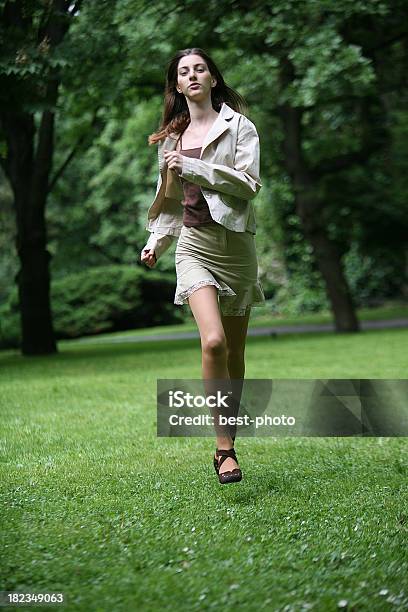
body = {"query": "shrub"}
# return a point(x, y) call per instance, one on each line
point(101, 299)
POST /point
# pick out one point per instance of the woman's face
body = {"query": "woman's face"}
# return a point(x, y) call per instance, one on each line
point(194, 79)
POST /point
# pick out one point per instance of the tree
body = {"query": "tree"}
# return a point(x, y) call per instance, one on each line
point(30, 76)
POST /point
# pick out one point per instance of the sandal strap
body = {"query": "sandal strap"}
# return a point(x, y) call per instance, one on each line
point(223, 455)
point(227, 452)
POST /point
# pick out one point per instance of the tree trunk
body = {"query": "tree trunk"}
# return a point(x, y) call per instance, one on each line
point(328, 260)
point(34, 294)
point(310, 213)
point(29, 180)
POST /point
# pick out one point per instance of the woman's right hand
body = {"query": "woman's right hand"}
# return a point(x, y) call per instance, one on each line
point(148, 257)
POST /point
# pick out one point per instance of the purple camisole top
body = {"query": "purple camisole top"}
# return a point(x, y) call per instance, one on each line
point(196, 211)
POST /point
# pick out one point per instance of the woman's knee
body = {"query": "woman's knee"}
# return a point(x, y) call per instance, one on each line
point(214, 344)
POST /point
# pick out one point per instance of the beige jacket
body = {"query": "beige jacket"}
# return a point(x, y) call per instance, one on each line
point(227, 172)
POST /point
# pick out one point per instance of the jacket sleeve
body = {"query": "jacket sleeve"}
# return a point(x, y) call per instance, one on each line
point(159, 242)
point(242, 180)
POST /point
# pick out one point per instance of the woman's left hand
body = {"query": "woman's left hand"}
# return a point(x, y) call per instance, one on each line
point(174, 160)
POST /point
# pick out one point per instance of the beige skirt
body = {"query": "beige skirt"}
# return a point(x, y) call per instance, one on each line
point(214, 255)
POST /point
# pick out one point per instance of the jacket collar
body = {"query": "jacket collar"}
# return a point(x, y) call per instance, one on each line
point(220, 125)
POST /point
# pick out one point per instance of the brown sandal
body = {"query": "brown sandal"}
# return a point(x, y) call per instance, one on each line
point(229, 476)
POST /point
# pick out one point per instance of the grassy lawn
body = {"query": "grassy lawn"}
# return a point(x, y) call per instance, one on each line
point(98, 507)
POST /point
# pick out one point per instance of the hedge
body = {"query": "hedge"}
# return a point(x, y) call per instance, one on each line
point(101, 299)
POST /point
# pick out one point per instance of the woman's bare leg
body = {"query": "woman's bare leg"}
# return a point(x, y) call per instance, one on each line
point(236, 329)
point(204, 306)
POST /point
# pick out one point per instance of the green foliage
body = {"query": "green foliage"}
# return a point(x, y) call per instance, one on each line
point(8, 254)
point(28, 60)
point(374, 277)
point(301, 295)
point(112, 64)
point(98, 209)
point(10, 332)
point(102, 299)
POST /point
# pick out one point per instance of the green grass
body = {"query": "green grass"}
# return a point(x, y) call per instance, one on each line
point(96, 506)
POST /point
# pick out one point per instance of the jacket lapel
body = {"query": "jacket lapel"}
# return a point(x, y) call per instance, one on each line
point(220, 125)
point(174, 188)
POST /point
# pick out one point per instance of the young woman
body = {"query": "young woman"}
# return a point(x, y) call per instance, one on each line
point(208, 174)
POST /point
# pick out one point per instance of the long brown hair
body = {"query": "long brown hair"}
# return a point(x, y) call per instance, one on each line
point(176, 116)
